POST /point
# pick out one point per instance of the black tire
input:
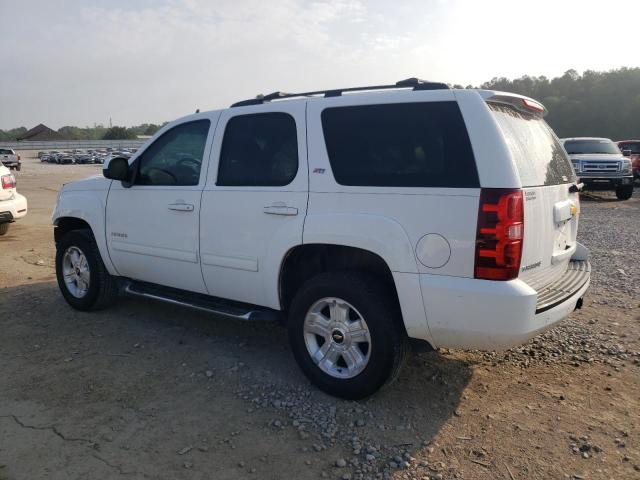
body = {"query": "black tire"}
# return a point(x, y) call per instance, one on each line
point(4, 228)
point(624, 192)
point(374, 301)
point(103, 288)
point(19, 167)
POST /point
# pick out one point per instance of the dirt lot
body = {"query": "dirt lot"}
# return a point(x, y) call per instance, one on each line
point(144, 390)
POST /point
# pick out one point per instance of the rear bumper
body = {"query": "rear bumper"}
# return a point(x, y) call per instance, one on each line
point(489, 315)
point(13, 209)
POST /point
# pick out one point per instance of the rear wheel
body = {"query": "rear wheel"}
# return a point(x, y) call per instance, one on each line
point(624, 192)
point(4, 228)
point(346, 335)
point(82, 277)
point(19, 167)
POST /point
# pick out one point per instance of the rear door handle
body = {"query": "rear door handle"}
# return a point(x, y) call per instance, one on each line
point(181, 207)
point(280, 209)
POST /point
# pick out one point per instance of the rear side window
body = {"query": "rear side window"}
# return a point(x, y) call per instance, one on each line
point(259, 150)
point(399, 145)
point(539, 156)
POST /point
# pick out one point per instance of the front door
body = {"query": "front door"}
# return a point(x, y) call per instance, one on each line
point(255, 201)
point(152, 226)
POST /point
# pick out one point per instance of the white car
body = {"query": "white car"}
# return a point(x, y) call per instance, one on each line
point(361, 217)
point(12, 205)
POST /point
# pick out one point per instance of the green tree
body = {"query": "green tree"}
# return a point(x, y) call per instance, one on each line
point(119, 133)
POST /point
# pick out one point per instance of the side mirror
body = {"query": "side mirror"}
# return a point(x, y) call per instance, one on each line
point(117, 169)
point(626, 153)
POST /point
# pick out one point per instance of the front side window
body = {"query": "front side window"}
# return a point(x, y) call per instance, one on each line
point(259, 150)
point(175, 158)
point(400, 145)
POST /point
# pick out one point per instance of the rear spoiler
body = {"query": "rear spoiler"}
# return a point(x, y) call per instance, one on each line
point(520, 102)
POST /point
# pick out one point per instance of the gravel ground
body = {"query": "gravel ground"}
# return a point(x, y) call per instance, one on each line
point(148, 391)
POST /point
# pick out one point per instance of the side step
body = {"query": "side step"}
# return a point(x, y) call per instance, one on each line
point(199, 301)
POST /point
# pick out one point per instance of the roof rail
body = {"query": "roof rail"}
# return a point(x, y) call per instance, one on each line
point(413, 83)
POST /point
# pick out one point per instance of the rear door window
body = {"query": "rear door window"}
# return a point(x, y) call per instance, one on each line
point(538, 154)
point(259, 150)
point(400, 145)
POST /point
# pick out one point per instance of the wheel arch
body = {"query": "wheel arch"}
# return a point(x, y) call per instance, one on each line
point(75, 210)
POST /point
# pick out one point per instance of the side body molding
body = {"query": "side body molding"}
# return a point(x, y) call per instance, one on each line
point(90, 207)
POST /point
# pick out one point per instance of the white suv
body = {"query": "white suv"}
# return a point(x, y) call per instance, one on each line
point(361, 217)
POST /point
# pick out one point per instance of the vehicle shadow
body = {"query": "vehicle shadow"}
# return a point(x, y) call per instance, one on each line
point(203, 373)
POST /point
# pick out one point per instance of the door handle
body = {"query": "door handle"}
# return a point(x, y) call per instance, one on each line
point(280, 209)
point(181, 207)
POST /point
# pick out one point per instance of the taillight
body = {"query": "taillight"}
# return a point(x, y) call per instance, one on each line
point(18, 157)
point(8, 181)
point(500, 233)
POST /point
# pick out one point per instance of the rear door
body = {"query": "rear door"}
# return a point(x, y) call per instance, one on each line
point(255, 200)
point(550, 210)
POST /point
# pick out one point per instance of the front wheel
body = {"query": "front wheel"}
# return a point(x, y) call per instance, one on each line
point(4, 228)
point(624, 192)
point(82, 277)
point(346, 335)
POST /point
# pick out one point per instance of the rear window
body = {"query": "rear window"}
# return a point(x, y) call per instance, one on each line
point(4, 151)
point(591, 146)
point(539, 156)
point(399, 145)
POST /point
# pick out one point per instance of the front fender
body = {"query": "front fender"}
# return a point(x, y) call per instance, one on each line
point(90, 207)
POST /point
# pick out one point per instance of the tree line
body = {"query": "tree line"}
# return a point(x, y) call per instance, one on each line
point(98, 132)
point(599, 104)
point(594, 104)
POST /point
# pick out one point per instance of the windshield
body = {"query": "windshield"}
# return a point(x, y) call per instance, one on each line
point(537, 152)
point(634, 147)
point(591, 146)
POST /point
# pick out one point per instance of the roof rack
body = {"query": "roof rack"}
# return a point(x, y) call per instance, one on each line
point(413, 83)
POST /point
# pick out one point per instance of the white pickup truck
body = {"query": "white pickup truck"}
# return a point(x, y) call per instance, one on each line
point(12, 205)
point(361, 217)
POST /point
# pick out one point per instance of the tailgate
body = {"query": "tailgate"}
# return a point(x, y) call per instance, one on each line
point(550, 229)
point(550, 210)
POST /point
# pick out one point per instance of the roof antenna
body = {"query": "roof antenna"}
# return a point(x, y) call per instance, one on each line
point(197, 110)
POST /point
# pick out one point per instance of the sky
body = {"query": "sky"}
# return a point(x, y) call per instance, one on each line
point(71, 62)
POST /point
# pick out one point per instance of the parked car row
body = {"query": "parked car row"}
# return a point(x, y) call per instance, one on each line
point(83, 156)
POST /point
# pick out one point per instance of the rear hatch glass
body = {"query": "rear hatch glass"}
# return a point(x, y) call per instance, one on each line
point(550, 210)
point(539, 156)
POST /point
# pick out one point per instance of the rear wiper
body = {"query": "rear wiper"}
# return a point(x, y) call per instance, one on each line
point(576, 187)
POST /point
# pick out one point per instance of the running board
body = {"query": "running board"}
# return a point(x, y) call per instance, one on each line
point(198, 301)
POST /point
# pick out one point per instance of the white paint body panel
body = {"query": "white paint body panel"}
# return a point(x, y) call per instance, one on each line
point(16, 204)
point(147, 240)
point(243, 246)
